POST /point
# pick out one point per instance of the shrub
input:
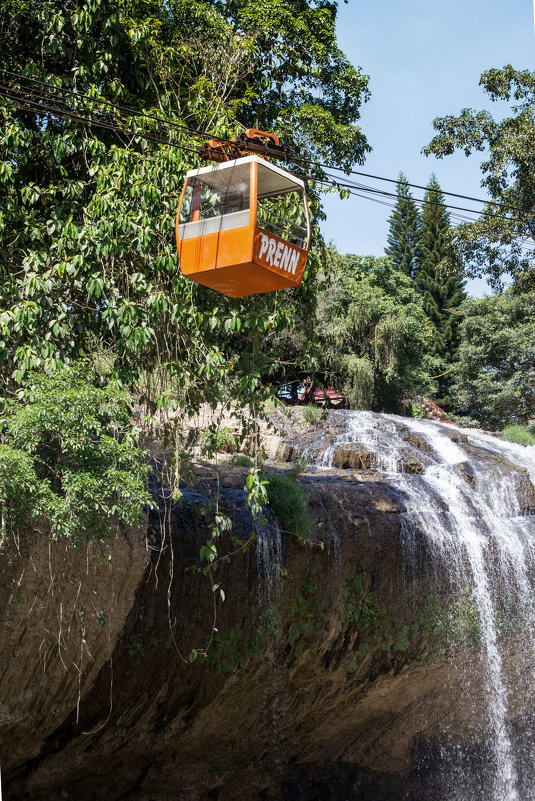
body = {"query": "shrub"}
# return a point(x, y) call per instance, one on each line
point(416, 410)
point(71, 457)
point(241, 460)
point(313, 414)
point(287, 501)
point(522, 435)
point(220, 440)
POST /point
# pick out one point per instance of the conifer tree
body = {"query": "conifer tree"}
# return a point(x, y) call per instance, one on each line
point(403, 234)
point(438, 278)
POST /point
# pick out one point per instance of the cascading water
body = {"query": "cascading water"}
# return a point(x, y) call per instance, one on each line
point(476, 530)
point(269, 565)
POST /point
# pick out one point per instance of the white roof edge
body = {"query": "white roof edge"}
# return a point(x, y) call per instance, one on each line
point(245, 160)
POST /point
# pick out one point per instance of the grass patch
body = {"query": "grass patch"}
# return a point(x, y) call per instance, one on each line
point(287, 501)
point(522, 435)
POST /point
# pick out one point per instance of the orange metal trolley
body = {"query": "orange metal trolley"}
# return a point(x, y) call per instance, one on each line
point(243, 227)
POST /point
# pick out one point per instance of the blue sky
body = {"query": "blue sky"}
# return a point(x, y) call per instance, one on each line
point(424, 59)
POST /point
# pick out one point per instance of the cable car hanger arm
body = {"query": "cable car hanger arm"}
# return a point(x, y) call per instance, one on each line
point(252, 142)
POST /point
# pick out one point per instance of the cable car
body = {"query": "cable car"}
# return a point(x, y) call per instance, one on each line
point(243, 227)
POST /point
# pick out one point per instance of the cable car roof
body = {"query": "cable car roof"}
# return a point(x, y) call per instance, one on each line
point(272, 180)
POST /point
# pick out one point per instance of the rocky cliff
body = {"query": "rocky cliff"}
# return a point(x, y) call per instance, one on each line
point(351, 667)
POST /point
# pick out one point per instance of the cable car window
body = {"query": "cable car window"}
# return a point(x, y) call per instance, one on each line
point(215, 201)
point(284, 215)
point(281, 205)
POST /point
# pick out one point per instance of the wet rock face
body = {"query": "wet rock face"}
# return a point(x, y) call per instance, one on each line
point(136, 720)
point(355, 457)
point(348, 669)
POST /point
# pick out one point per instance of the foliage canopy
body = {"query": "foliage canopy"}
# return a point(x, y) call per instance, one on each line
point(495, 376)
point(86, 228)
point(501, 241)
point(373, 333)
point(70, 457)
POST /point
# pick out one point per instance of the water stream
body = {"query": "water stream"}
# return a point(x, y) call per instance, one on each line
point(472, 522)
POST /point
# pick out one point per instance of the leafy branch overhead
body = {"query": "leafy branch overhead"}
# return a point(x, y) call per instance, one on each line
point(501, 242)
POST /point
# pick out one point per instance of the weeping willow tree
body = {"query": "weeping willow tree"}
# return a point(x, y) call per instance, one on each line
point(373, 333)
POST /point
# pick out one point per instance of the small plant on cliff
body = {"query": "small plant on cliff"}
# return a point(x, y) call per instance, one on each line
point(313, 414)
point(242, 460)
point(286, 499)
point(70, 458)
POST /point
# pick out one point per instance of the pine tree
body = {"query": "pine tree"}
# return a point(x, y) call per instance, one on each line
point(438, 278)
point(403, 234)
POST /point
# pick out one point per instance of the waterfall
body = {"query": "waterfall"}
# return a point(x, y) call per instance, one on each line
point(269, 560)
point(474, 526)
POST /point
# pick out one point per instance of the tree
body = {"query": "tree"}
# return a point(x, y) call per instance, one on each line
point(86, 230)
point(277, 68)
point(69, 458)
point(501, 242)
point(438, 279)
point(404, 230)
point(304, 86)
point(495, 375)
point(373, 333)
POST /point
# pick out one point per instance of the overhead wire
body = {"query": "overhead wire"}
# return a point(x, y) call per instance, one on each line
point(116, 106)
point(204, 134)
point(31, 100)
point(422, 201)
point(38, 107)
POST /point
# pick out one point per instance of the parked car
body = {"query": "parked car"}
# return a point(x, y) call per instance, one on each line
point(326, 396)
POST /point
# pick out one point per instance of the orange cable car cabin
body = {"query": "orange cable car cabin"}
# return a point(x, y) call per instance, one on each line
point(243, 227)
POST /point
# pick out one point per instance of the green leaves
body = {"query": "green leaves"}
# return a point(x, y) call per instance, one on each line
point(501, 241)
point(70, 457)
point(256, 489)
point(373, 333)
point(495, 377)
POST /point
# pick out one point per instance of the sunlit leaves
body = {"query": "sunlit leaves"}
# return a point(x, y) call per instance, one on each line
point(495, 375)
point(373, 333)
point(501, 241)
point(70, 456)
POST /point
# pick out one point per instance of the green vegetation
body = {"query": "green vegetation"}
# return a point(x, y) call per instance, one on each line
point(313, 414)
point(305, 614)
point(241, 460)
point(403, 235)
point(70, 457)
point(456, 622)
point(87, 252)
point(87, 221)
point(357, 602)
point(438, 279)
point(373, 333)
point(498, 244)
point(495, 374)
point(286, 499)
point(218, 440)
point(522, 435)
